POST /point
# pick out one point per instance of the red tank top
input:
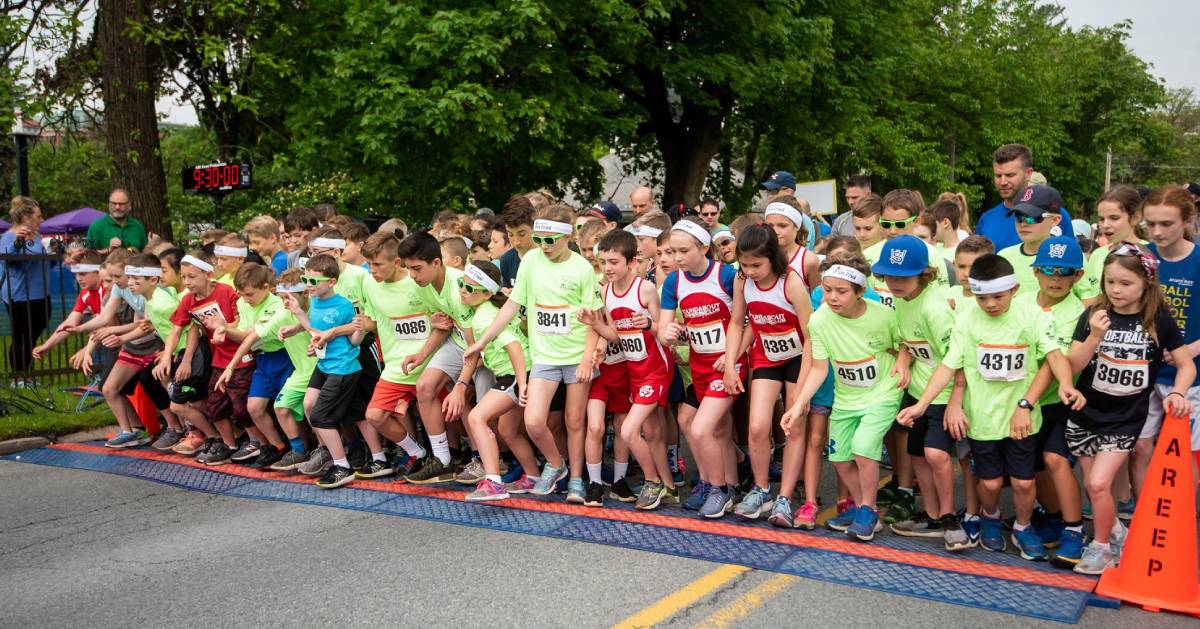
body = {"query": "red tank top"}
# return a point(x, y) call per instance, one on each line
point(797, 263)
point(643, 355)
point(706, 308)
point(774, 322)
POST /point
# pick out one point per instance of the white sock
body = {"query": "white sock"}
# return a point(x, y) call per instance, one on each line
point(619, 469)
point(412, 448)
point(995, 515)
point(378, 456)
point(1018, 527)
point(595, 472)
point(495, 478)
point(967, 517)
point(341, 463)
point(907, 490)
point(441, 447)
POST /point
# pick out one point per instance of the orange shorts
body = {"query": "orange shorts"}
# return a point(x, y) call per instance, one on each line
point(393, 397)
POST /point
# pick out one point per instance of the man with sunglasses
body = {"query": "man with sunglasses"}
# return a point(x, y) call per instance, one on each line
point(1036, 214)
point(1012, 168)
point(710, 215)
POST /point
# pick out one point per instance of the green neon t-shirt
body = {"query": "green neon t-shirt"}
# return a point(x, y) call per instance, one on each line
point(495, 356)
point(926, 324)
point(859, 352)
point(159, 308)
point(999, 357)
point(296, 346)
point(872, 254)
point(402, 325)
point(447, 301)
point(553, 293)
point(249, 316)
point(352, 281)
point(1062, 318)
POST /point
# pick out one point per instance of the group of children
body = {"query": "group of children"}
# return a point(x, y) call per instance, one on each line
point(495, 352)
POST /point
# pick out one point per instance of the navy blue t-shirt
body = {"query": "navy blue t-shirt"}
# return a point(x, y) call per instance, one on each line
point(510, 262)
point(1001, 228)
point(1178, 280)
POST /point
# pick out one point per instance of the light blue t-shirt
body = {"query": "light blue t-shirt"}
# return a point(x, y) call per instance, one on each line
point(341, 356)
point(279, 262)
point(136, 302)
point(22, 280)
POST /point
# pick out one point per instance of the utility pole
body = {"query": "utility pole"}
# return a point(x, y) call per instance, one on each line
point(1108, 169)
point(22, 135)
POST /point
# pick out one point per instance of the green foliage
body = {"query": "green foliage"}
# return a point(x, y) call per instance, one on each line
point(75, 173)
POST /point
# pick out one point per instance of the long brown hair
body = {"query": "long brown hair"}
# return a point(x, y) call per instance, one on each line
point(1152, 299)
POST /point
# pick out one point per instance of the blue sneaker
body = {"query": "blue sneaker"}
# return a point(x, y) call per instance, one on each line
point(575, 491)
point(991, 534)
point(514, 472)
point(122, 440)
point(697, 498)
point(756, 504)
point(843, 520)
point(866, 524)
point(1069, 551)
point(1029, 544)
point(549, 478)
point(1049, 528)
point(972, 529)
point(1125, 509)
point(719, 501)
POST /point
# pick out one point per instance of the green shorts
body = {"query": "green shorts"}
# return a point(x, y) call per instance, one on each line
point(860, 432)
point(293, 400)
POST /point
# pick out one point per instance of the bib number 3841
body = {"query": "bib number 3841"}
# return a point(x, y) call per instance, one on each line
point(860, 373)
point(552, 320)
point(1120, 377)
point(1002, 363)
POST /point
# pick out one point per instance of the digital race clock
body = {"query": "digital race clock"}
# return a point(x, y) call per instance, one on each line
point(216, 178)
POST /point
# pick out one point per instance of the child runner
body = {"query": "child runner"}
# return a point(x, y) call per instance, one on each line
point(161, 301)
point(788, 224)
point(1118, 213)
point(229, 253)
point(263, 232)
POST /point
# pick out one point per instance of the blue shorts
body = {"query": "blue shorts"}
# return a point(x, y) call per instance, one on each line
point(824, 395)
point(271, 369)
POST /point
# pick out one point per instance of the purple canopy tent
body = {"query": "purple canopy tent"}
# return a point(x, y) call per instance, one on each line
point(4, 226)
point(73, 222)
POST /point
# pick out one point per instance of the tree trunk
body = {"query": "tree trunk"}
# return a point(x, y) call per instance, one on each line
point(130, 122)
point(687, 149)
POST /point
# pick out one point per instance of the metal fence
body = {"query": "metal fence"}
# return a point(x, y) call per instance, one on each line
point(18, 333)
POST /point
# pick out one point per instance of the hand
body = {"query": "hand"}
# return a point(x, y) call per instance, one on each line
point(321, 339)
point(589, 317)
point(1177, 405)
point(674, 332)
point(162, 368)
point(1099, 323)
point(1168, 358)
point(908, 415)
point(288, 330)
point(145, 326)
point(598, 353)
point(794, 415)
point(474, 351)
point(1072, 398)
point(719, 363)
point(289, 302)
point(213, 321)
point(223, 379)
point(733, 382)
point(357, 322)
point(522, 394)
point(583, 373)
point(37, 352)
point(441, 321)
point(184, 372)
point(218, 335)
point(23, 231)
point(955, 422)
point(453, 405)
point(114, 243)
point(1021, 424)
point(640, 321)
point(112, 341)
point(903, 375)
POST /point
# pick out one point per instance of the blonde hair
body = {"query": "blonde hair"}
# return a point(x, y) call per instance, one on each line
point(21, 208)
point(262, 226)
point(560, 212)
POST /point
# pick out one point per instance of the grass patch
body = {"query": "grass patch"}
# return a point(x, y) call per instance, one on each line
point(43, 422)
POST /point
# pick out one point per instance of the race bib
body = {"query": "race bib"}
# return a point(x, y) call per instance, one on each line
point(204, 310)
point(633, 345)
point(319, 352)
point(552, 320)
point(1120, 377)
point(411, 328)
point(781, 347)
point(922, 351)
point(859, 373)
point(886, 298)
point(707, 338)
point(612, 354)
point(1001, 363)
point(250, 357)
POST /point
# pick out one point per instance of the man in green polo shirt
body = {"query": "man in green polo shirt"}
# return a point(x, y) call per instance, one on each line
point(117, 228)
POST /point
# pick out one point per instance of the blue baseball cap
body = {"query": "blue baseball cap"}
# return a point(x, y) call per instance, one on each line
point(1060, 251)
point(781, 179)
point(606, 210)
point(902, 256)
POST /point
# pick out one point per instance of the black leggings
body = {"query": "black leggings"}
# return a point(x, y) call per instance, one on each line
point(29, 319)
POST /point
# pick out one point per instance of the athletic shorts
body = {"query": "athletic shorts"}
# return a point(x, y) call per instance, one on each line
point(787, 372)
point(1084, 442)
point(1052, 436)
point(293, 400)
point(483, 379)
point(230, 403)
point(448, 359)
point(824, 395)
point(1015, 457)
point(678, 390)
point(558, 373)
point(195, 388)
point(137, 361)
point(650, 393)
point(271, 370)
point(153, 388)
point(506, 385)
point(860, 432)
point(612, 388)
point(710, 383)
point(337, 396)
point(1154, 418)
point(393, 397)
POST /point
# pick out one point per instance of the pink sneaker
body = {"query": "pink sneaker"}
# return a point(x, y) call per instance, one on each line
point(487, 491)
point(522, 485)
point(806, 517)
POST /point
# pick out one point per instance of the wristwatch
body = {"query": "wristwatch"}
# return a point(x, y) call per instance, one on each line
point(1025, 404)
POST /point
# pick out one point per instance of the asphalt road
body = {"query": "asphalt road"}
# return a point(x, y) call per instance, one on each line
point(89, 549)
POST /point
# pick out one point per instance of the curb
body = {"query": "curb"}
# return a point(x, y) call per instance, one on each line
point(12, 446)
point(86, 435)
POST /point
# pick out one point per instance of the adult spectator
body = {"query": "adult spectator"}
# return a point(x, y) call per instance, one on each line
point(857, 187)
point(641, 200)
point(117, 228)
point(710, 215)
point(23, 287)
point(780, 182)
point(1012, 169)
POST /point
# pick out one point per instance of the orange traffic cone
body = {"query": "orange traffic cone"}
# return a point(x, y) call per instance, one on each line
point(1158, 568)
point(146, 412)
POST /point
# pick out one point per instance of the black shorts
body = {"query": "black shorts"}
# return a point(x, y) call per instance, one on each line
point(929, 431)
point(787, 372)
point(690, 398)
point(1014, 457)
point(195, 388)
point(153, 388)
point(337, 396)
point(677, 392)
point(230, 403)
point(504, 383)
point(1052, 436)
point(367, 379)
point(558, 403)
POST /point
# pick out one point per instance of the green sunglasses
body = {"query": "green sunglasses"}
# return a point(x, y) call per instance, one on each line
point(1051, 271)
point(900, 224)
point(470, 288)
point(546, 240)
point(1031, 220)
point(313, 280)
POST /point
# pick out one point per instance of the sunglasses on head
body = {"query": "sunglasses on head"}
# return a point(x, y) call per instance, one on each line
point(313, 280)
point(900, 224)
point(1051, 271)
point(470, 288)
point(546, 240)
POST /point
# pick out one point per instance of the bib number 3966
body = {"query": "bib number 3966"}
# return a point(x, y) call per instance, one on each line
point(1003, 363)
point(552, 320)
point(1119, 377)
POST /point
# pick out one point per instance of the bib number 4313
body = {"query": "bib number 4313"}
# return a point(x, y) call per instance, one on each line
point(1004, 363)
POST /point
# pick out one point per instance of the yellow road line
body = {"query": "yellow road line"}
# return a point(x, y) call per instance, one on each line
point(747, 603)
point(829, 512)
point(676, 601)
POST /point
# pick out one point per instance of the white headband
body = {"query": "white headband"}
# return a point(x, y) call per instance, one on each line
point(289, 288)
point(467, 241)
point(695, 230)
point(998, 285)
point(85, 268)
point(785, 211)
point(143, 271)
point(843, 272)
point(233, 252)
point(633, 229)
point(476, 274)
point(554, 227)
point(301, 262)
point(648, 232)
point(197, 262)
point(328, 243)
point(724, 233)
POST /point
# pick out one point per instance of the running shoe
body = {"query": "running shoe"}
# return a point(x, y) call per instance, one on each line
point(167, 440)
point(1116, 540)
point(374, 469)
point(471, 474)
point(268, 457)
point(1070, 549)
point(695, 501)
point(903, 507)
point(246, 452)
point(622, 492)
point(432, 471)
point(866, 524)
point(487, 491)
point(1048, 527)
point(843, 520)
point(919, 526)
point(1029, 544)
point(522, 485)
point(336, 476)
point(991, 535)
point(289, 461)
point(141, 438)
point(510, 473)
point(972, 528)
point(549, 478)
point(218, 454)
point(208, 445)
point(756, 504)
point(650, 497)
point(575, 491)
point(1095, 560)
point(405, 464)
point(781, 513)
point(670, 496)
point(122, 440)
point(190, 444)
point(357, 454)
point(887, 494)
point(1125, 509)
point(593, 496)
point(955, 538)
point(806, 516)
point(319, 460)
point(718, 502)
